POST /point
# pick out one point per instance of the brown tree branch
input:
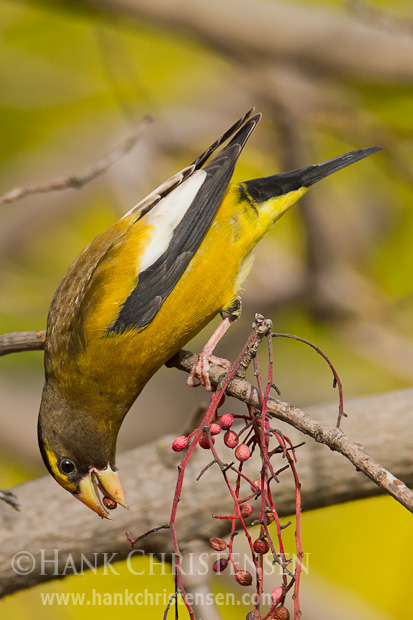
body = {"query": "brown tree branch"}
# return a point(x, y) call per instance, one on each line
point(304, 35)
point(77, 181)
point(15, 342)
point(329, 435)
point(51, 519)
point(371, 14)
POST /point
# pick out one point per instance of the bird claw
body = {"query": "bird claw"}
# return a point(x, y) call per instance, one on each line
point(200, 372)
point(220, 361)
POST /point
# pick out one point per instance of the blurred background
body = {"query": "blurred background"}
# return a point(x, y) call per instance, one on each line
point(76, 80)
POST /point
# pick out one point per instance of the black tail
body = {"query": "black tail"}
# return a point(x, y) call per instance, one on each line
point(278, 184)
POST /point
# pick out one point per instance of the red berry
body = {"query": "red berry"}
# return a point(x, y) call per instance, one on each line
point(215, 429)
point(180, 443)
point(243, 577)
point(218, 544)
point(221, 401)
point(109, 503)
point(246, 510)
point(230, 439)
point(226, 421)
point(256, 486)
point(276, 595)
point(220, 565)
point(281, 613)
point(204, 442)
point(243, 452)
point(261, 546)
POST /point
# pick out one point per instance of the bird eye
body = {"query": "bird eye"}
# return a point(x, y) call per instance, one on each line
point(67, 466)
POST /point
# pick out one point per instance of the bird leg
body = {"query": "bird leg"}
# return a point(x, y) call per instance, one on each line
point(201, 369)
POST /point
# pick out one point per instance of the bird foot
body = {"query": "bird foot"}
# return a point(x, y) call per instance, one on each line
point(200, 372)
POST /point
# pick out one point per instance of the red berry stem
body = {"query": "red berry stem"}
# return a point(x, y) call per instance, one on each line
point(336, 379)
point(215, 401)
point(254, 435)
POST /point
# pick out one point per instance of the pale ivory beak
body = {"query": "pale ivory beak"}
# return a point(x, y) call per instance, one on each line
point(97, 482)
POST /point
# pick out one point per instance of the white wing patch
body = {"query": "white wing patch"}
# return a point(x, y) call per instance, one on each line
point(166, 186)
point(167, 214)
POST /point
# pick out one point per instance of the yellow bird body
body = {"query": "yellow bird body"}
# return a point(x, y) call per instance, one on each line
point(140, 291)
point(123, 363)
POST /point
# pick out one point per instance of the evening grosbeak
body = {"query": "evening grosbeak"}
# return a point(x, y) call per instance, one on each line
point(140, 291)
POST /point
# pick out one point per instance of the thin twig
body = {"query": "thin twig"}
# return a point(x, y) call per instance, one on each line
point(10, 498)
point(153, 530)
point(260, 328)
point(336, 381)
point(173, 597)
point(80, 179)
point(329, 435)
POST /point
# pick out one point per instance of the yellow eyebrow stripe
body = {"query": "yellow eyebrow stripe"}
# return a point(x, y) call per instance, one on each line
point(61, 478)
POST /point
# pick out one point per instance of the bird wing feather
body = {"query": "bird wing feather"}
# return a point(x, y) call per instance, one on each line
point(157, 281)
point(105, 291)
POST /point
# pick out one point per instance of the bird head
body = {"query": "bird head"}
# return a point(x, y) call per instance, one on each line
point(79, 452)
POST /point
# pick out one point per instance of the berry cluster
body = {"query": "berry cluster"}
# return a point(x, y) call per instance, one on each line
point(252, 433)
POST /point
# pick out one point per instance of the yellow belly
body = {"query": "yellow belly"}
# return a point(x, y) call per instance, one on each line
point(115, 367)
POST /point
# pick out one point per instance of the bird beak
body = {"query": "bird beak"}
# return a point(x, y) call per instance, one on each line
point(105, 482)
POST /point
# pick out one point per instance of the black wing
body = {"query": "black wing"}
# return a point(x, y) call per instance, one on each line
point(157, 282)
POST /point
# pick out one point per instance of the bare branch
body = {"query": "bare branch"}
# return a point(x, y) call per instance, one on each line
point(370, 14)
point(10, 498)
point(307, 36)
point(329, 435)
point(77, 181)
point(15, 342)
point(51, 519)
